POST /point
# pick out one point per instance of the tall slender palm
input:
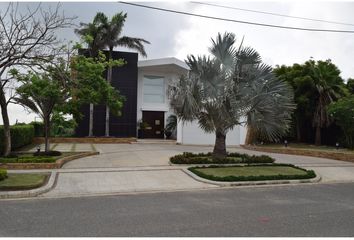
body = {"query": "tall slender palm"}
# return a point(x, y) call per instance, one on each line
point(231, 85)
point(91, 34)
point(329, 87)
point(111, 37)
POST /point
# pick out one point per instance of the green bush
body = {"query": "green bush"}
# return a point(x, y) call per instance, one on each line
point(38, 129)
point(49, 153)
point(309, 174)
point(206, 158)
point(28, 159)
point(3, 174)
point(21, 135)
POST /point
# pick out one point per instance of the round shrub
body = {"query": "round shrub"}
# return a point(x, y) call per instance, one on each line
point(3, 174)
point(49, 153)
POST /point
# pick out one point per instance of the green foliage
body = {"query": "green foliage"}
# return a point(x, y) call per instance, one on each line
point(3, 174)
point(342, 112)
point(231, 85)
point(350, 85)
point(206, 158)
point(316, 84)
point(38, 129)
point(171, 125)
point(21, 135)
point(309, 174)
point(49, 153)
point(89, 85)
point(28, 159)
point(62, 127)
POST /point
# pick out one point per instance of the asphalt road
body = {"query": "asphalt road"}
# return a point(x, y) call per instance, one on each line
point(321, 210)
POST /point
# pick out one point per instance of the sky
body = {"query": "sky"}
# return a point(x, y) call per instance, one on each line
point(175, 35)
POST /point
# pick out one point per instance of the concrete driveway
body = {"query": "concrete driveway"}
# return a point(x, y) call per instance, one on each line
point(144, 167)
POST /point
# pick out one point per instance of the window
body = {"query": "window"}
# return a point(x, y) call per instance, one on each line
point(154, 89)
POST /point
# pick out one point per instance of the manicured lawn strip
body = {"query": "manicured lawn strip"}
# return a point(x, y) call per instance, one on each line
point(206, 158)
point(23, 181)
point(29, 158)
point(3, 174)
point(252, 173)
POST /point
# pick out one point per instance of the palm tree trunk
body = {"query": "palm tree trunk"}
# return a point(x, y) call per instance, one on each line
point(318, 136)
point(46, 133)
point(109, 80)
point(219, 151)
point(250, 136)
point(6, 122)
point(91, 121)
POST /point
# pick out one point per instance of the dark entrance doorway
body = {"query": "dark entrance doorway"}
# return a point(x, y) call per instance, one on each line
point(156, 124)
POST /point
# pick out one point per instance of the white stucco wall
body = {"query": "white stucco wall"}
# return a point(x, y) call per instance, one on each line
point(190, 133)
point(143, 106)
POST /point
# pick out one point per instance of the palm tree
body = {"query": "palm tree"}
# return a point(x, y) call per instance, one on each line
point(329, 87)
point(229, 86)
point(91, 34)
point(111, 37)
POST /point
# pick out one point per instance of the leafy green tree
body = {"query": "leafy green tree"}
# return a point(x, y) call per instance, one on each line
point(231, 85)
point(41, 93)
point(91, 34)
point(329, 87)
point(64, 87)
point(108, 34)
point(342, 112)
point(350, 85)
point(316, 84)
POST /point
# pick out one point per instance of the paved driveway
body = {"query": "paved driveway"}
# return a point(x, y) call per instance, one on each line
point(145, 167)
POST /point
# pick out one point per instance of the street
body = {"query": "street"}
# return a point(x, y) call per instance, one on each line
point(321, 210)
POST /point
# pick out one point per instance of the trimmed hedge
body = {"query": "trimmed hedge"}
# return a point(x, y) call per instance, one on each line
point(3, 174)
point(309, 174)
point(49, 153)
point(21, 135)
point(28, 159)
point(38, 129)
point(206, 158)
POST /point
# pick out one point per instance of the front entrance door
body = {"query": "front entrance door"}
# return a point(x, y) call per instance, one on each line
point(156, 124)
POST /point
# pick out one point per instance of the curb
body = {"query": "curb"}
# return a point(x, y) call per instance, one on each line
point(33, 192)
point(250, 183)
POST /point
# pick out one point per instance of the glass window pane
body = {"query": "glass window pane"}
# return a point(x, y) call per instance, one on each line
point(154, 89)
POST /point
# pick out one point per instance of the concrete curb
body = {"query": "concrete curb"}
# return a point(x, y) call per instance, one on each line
point(250, 183)
point(33, 192)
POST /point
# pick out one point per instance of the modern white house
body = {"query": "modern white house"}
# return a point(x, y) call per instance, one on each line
point(144, 84)
point(154, 77)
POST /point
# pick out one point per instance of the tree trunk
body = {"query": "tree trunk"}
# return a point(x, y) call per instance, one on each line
point(220, 145)
point(46, 133)
point(250, 136)
point(318, 136)
point(298, 131)
point(6, 121)
point(109, 80)
point(91, 121)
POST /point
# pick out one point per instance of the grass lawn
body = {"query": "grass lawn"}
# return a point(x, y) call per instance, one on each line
point(22, 181)
point(252, 173)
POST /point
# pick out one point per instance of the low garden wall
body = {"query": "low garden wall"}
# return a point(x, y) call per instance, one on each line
point(342, 156)
point(37, 140)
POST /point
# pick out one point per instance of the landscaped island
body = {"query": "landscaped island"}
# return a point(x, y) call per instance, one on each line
point(244, 167)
